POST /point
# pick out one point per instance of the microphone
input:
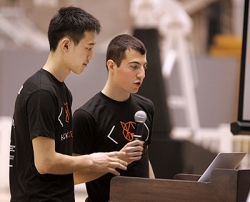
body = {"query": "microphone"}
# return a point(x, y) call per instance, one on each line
point(140, 118)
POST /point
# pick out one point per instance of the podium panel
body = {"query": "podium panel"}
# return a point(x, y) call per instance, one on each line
point(225, 185)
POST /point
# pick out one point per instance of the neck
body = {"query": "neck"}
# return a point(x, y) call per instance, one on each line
point(56, 68)
point(114, 93)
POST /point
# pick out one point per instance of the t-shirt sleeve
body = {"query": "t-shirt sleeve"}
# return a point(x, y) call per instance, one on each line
point(41, 108)
point(84, 130)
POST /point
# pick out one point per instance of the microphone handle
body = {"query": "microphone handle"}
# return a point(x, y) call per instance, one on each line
point(138, 131)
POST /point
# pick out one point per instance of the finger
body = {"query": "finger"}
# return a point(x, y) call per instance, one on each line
point(122, 167)
point(135, 158)
point(136, 142)
point(138, 153)
point(134, 153)
point(114, 171)
point(119, 165)
point(132, 159)
point(116, 154)
point(134, 149)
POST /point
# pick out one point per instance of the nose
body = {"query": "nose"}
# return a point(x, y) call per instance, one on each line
point(141, 73)
point(91, 56)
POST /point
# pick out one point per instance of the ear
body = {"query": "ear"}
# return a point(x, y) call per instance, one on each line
point(65, 44)
point(110, 65)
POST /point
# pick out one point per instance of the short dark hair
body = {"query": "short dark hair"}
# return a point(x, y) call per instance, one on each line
point(118, 45)
point(72, 22)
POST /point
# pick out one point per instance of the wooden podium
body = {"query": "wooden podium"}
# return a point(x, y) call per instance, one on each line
point(225, 185)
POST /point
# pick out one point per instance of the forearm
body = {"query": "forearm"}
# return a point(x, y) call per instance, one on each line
point(86, 175)
point(63, 164)
point(47, 161)
point(151, 171)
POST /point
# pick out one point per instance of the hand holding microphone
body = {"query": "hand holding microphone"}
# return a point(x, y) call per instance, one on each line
point(132, 151)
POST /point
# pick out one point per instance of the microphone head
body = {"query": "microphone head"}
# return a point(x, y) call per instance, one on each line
point(140, 116)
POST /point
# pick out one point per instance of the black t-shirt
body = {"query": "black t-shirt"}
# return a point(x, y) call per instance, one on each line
point(103, 125)
point(42, 108)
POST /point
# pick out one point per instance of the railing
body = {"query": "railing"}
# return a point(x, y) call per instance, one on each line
point(217, 140)
point(17, 31)
point(5, 129)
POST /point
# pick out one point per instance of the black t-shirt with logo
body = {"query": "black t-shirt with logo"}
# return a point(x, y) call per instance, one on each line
point(42, 108)
point(103, 125)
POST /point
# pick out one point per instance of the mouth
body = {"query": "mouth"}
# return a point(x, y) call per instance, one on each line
point(138, 83)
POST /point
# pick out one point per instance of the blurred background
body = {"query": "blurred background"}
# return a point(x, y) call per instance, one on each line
point(194, 50)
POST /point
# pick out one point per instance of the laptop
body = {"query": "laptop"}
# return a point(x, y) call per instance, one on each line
point(222, 160)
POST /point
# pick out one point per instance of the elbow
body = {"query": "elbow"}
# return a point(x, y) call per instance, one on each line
point(43, 167)
point(40, 169)
point(77, 180)
point(82, 176)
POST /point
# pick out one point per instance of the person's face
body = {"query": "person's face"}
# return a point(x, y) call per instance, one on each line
point(82, 53)
point(129, 76)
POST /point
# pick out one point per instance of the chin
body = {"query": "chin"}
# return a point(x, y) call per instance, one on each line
point(133, 92)
point(78, 72)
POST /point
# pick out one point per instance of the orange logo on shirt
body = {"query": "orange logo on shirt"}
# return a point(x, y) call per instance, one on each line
point(126, 130)
point(67, 113)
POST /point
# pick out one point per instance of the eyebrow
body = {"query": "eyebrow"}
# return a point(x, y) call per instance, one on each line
point(137, 63)
point(91, 44)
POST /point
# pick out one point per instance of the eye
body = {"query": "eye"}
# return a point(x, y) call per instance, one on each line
point(89, 49)
point(135, 67)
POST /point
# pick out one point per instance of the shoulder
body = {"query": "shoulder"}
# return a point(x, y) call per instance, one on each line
point(91, 103)
point(144, 103)
point(31, 86)
point(43, 85)
point(83, 115)
point(90, 106)
point(142, 99)
point(39, 80)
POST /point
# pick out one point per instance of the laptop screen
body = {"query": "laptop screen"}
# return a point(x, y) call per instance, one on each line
point(222, 160)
